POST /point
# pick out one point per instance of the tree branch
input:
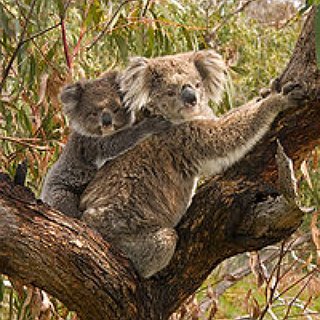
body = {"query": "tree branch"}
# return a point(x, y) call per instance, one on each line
point(101, 34)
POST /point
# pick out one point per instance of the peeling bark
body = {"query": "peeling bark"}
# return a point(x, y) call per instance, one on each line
point(241, 210)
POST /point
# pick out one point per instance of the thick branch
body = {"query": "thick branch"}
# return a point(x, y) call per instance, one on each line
point(62, 256)
point(232, 213)
point(223, 218)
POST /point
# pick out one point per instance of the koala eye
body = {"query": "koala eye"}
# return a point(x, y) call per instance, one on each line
point(198, 85)
point(171, 93)
point(93, 114)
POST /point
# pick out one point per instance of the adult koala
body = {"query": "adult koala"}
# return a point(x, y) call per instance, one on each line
point(136, 200)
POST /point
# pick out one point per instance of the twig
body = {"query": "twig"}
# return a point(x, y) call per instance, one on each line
point(242, 272)
point(19, 45)
point(292, 302)
point(275, 284)
point(82, 31)
point(26, 303)
point(145, 9)
point(225, 20)
point(297, 316)
point(24, 143)
point(108, 24)
point(48, 62)
point(294, 284)
point(40, 33)
point(65, 45)
point(64, 36)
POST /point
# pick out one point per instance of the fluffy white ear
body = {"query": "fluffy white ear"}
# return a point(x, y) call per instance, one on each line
point(70, 96)
point(213, 72)
point(134, 84)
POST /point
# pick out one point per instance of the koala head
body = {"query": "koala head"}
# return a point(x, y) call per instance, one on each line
point(178, 87)
point(94, 107)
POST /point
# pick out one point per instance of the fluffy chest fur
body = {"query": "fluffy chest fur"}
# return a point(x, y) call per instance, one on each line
point(125, 191)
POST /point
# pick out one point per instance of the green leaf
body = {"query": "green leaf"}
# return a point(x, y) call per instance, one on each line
point(239, 70)
point(317, 34)
point(4, 23)
point(95, 14)
point(60, 5)
point(123, 48)
point(2, 287)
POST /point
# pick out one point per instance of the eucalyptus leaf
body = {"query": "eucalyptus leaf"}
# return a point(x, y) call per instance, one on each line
point(2, 287)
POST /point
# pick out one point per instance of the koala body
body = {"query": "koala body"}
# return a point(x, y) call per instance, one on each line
point(101, 130)
point(137, 207)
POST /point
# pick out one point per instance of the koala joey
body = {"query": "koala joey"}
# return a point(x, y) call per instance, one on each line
point(101, 130)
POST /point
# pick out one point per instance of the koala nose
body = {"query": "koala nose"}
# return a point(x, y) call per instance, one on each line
point(188, 95)
point(106, 119)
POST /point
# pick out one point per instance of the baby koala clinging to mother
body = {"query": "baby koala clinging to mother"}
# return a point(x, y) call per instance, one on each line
point(102, 129)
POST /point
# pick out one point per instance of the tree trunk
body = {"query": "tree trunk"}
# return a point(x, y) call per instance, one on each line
point(241, 210)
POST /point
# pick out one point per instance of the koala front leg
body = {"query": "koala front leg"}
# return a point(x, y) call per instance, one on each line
point(150, 251)
point(124, 140)
point(228, 139)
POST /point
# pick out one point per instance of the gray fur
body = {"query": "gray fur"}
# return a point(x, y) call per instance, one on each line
point(136, 207)
point(157, 84)
point(92, 142)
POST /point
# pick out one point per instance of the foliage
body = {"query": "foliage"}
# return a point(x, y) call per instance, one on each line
point(44, 44)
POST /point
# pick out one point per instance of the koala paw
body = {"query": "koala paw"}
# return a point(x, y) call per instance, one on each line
point(275, 87)
point(156, 124)
point(296, 93)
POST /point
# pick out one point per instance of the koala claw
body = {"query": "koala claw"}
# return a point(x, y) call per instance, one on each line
point(296, 92)
point(290, 86)
point(264, 92)
point(276, 85)
point(156, 124)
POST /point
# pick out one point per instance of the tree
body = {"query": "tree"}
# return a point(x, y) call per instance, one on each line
point(241, 210)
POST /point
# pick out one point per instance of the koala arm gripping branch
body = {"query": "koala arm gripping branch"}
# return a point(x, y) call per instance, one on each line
point(127, 138)
point(227, 140)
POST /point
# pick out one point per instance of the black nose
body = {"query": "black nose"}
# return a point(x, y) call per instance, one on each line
point(188, 95)
point(106, 119)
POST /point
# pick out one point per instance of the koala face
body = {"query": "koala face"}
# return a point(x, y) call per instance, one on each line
point(178, 87)
point(94, 107)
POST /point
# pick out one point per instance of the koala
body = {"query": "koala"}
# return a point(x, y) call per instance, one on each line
point(102, 128)
point(137, 207)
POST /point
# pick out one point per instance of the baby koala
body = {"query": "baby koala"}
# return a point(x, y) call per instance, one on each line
point(102, 129)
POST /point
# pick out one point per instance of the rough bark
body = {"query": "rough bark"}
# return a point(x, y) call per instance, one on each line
point(238, 211)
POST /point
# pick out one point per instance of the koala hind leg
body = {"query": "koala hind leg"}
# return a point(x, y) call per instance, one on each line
point(151, 251)
point(63, 200)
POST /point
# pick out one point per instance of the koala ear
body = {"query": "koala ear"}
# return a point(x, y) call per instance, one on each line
point(213, 72)
point(134, 85)
point(70, 96)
